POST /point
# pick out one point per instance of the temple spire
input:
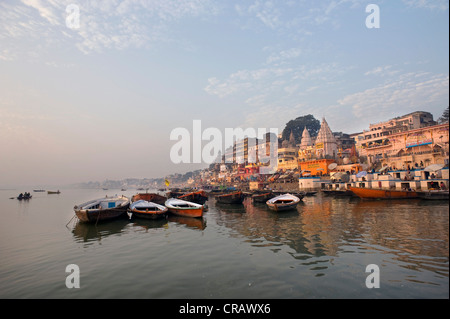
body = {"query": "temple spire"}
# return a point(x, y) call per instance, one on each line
point(326, 142)
point(306, 139)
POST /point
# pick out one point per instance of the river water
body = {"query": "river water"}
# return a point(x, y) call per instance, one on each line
point(321, 250)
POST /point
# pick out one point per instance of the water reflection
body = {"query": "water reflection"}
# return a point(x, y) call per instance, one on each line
point(411, 232)
point(194, 223)
point(144, 225)
point(87, 232)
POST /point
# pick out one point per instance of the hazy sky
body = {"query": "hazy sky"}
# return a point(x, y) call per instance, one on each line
point(99, 101)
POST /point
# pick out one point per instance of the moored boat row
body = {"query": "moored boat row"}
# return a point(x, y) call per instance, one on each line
point(144, 205)
point(155, 206)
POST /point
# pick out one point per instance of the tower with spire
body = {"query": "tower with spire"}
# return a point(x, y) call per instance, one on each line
point(326, 145)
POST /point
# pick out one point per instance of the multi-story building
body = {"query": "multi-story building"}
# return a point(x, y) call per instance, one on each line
point(417, 147)
point(378, 133)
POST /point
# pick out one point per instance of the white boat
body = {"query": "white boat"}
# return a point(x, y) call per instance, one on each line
point(283, 202)
point(141, 206)
point(184, 208)
point(103, 209)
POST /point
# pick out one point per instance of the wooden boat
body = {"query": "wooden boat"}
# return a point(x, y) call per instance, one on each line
point(198, 197)
point(283, 202)
point(184, 208)
point(300, 195)
point(24, 196)
point(309, 193)
point(376, 193)
point(101, 209)
point(149, 210)
point(38, 190)
point(149, 197)
point(230, 198)
point(53, 192)
point(263, 197)
point(434, 195)
point(336, 192)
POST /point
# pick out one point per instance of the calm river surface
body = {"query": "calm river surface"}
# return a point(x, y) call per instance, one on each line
point(319, 251)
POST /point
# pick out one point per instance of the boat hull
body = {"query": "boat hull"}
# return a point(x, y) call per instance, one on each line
point(439, 195)
point(195, 197)
point(24, 197)
point(232, 198)
point(148, 214)
point(282, 207)
point(337, 192)
point(262, 198)
point(373, 193)
point(187, 212)
point(93, 216)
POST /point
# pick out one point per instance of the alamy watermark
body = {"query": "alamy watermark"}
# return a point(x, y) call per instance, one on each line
point(373, 280)
point(373, 19)
point(217, 144)
point(73, 279)
point(73, 16)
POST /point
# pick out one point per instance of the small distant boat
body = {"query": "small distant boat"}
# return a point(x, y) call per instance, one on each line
point(102, 209)
point(24, 196)
point(262, 198)
point(434, 195)
point(184, 208)
point(53, 192)
point(230, 198)
point(123, 189)
point(283, 202)
point(375, 193)
point(198, 197)
point(38, 190)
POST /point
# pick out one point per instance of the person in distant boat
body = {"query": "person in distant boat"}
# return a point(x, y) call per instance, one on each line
point(432, 176)
point(20, 195)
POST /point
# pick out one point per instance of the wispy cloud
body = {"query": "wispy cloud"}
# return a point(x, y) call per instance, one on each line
point(382, 71)
point(284, 56)
point(103, 24)
point(47, 10)
point(406, 93)
point(428, 4)
point(291, 78)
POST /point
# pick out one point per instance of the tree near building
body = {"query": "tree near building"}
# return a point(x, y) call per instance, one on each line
point(444, 117)
point(297, 126)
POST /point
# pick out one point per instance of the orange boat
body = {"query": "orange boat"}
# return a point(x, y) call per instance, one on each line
point(184, 208)
point(374, 193)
